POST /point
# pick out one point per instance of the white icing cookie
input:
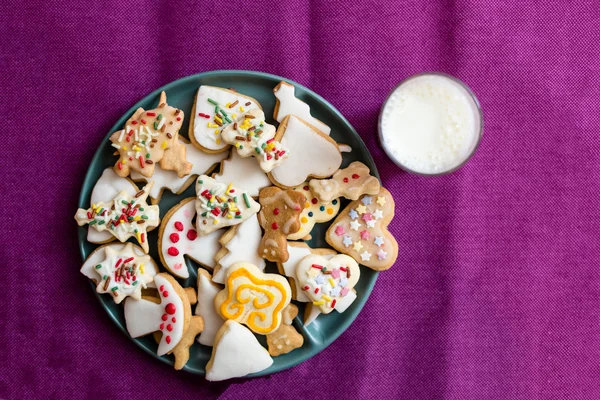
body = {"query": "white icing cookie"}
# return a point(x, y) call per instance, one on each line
point(220, 205)
point(214, 109)
point(124, 217)
point(289, 104)
point(236, 353)
point(311, 154)
point(177, 238)
point(251, 136)
point(312, 312)
point(240, 243)
point(106, 189)
point(143, 317)
point(327, 281)
point(207, 290)
point(164, 179)
point(314, 211)
point(244, 173)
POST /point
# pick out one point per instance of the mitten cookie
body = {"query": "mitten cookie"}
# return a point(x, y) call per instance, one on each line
point(279, 217)
point(350, 182)
point(173, 317)
point(312, 153)
point(214, 109)
point(251, 136)
point(147, 137)
point(253, 298)
point(124, 217)
point(361, 231)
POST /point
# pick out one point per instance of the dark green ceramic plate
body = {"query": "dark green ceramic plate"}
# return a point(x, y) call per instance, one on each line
point(326, 328)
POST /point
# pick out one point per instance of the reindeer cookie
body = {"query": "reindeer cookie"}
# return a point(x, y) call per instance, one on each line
point(253, 298)
point(279, 217)
point(360, 231)
point(172, 317)
point(150, 137)
point(124, 217)
point(286, 338)
point(350, 182)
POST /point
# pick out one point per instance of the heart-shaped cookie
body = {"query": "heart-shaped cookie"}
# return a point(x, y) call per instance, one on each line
point(312, 153)
point(361, 231)
point(327, 282)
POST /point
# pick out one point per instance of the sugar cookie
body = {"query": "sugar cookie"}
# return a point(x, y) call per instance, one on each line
point(286, 338)
point(288, 104)
point(150, 137)
point(124, 217)
point(350, 182)
point(244, 173)
point(253, 298)
point(279, 217)
point(236, 353)
point(314, 211)
point(311, 312)
point(207, 290)
point(177, 238)
point(360, 231)
point(313, 154)
point(214, 109)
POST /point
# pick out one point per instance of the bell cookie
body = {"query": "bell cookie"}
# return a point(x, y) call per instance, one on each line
point(239, 243)
point(360, 231)
point(220, 205)
point(314, 212)
point(147, 138)
point(313, 154)
point(124, 217)
point(236, 353)
point(213, 110)
point(172, 317)
point(178, 238)
point(288, 104)
point(251, 136)
point(279, 217)
point(253, 298)
point(350, 182)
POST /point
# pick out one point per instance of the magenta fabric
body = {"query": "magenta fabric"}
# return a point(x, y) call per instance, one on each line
point(496, 291)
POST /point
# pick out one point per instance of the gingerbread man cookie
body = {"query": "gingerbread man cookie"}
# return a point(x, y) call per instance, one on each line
point(350, 182)
point(361, 231)
point(172, 316)
point(251, 136)
point(150, 137)
point(253, 298)
point(124, 217)
point(286, 338)
point(279, 217)
point(314, 212)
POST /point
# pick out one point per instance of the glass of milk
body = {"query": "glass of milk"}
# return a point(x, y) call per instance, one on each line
point(430, 124)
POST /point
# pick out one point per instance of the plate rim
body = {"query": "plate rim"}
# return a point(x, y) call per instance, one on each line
point(87, 182)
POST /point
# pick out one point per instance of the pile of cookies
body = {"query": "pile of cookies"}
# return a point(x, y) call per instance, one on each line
point(273, 186)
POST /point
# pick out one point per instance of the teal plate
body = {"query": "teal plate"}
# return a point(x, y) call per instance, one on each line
point(180, 93)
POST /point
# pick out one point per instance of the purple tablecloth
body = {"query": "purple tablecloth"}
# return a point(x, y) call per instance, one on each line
point(496, 290)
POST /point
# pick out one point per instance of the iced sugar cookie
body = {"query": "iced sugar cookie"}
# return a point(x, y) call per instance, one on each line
point(124, 217)
point(120, 269)
point(360, 231)
point(327, 281)
point(202, 163)
point(214, 109)
point(207, 291)
point(350, 182)
point(177, 238)
point(172, 317)
point(311, 312)
point(220, 205)
point(244, 173)
point(106, 189)
point(314, 212)
point(239, 243)
point(251, 136)
point(147, 138)
point(312, 154)
point(236, 353)
point(253, 298)
point(289, 104)
point(279, 217)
